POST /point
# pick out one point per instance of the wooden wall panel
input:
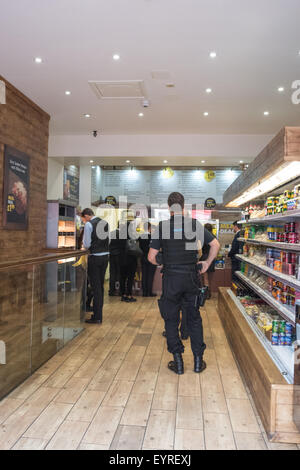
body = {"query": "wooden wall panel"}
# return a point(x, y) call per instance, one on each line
point(24, 126)
point(283, 147)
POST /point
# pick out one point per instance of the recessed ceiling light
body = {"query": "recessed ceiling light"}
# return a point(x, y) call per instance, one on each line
point(141, 114)
point(127, 161)
point(208, 90)
point(266, 113)
point(241, 161)
point(165, 161)
point(91, 161)
point(116, 57)
point(67, 92)
point(213, 55)
point(202, 161)
point(206, 113)
point(281, 89)
point(87, 115)
point(38, 60)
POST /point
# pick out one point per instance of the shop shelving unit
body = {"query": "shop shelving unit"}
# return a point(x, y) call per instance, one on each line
point(271, 372)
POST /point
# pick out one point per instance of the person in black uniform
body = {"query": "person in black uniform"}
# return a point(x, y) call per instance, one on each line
point(96, 240)
point(205, 253)
point(236, 248)
point(148, 269)
point(128, 264)
point(114, 262)
point(180, 239)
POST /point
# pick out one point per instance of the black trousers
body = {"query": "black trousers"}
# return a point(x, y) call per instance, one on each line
point(114, 272)
point(180, 292)
point(97, 266)
point(127, 273)
point(235, 266)
point(148, 271)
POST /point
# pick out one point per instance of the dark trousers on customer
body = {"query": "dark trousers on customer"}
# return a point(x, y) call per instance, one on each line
point(148, 271)
point(180, 292)
point(127, 273)
point(114, 272)
point(96, 271)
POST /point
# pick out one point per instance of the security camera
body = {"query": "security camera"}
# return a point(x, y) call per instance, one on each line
point(145, 103)
point(95, 133)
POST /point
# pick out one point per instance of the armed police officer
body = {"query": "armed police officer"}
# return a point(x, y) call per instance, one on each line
point(180, 240)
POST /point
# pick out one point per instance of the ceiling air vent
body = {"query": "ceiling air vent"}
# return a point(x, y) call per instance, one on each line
point(118, 90)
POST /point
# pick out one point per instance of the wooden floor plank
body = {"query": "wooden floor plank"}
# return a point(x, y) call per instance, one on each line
point(189, 413)
point(247, 441)
point(30, 444)
point(8, 406)
point(218, 432)
point(118, 393)
point(49, 421)
point(68, 436)
point(72, 391)
point(86, 407)
point(128, 438)
point(137, 409)
point(189, 439)
point(103, 426)
point(242, 416)
point(160, 431)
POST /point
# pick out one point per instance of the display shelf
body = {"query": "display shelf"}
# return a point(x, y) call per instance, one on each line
point(281, 309)
point(282, 246)
point(282, 356)
point(288, 280)
point(287, 216)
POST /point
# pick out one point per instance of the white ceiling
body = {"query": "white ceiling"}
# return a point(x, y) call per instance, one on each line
point(257, 42)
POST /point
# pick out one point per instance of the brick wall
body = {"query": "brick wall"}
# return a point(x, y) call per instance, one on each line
point(24, 126)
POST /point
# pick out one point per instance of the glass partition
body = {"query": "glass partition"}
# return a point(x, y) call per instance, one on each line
point(41, 310)
point(15, 326)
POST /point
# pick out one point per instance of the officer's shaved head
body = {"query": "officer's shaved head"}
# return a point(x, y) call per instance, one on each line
point(176, 199)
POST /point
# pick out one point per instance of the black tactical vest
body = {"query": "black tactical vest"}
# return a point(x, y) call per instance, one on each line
point(98, 245)
point(177, 249)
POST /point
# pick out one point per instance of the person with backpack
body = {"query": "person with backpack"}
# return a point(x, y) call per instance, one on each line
point(129, 252)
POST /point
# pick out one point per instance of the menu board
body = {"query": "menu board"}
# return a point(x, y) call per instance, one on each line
point(71, 183)
point(16, 189)
point(154, 186)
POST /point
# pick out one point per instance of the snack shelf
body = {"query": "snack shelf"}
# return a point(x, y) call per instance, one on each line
point(287, 216)
point(288, 280)
point(281, 309)
point(279, 245)
point(282, 356)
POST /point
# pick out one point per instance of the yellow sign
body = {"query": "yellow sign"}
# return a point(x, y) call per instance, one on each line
point(168, 172)
point(209, 175)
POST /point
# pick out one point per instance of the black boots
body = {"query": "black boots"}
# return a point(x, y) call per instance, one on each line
point(177, 365)
point(199, 364)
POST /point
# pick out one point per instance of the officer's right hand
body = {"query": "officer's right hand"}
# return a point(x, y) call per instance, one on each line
point(205, 266)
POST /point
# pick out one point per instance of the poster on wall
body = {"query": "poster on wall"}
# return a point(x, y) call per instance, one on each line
point(16, 189)
point(71, 183)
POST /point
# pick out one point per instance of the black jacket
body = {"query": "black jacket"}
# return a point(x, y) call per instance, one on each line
point(236, 246)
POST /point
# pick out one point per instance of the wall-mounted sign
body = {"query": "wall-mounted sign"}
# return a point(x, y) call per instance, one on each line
point(71, 183)
point(209, 175)
point(226, 227)
point(16, 189)
point(111, 200)
point(210, 203)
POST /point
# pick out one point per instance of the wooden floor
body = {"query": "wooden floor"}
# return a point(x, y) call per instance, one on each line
point(110, 389)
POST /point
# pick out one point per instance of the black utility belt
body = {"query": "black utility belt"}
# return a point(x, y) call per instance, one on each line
point(182, 269)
